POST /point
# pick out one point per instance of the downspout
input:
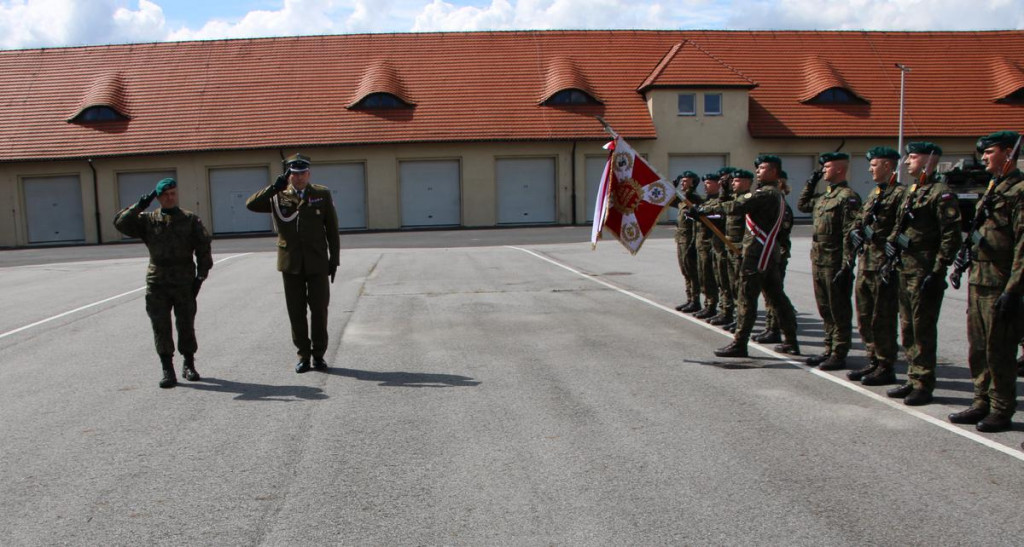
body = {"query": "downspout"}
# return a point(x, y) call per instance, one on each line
point(573, 164)
point(96, 202)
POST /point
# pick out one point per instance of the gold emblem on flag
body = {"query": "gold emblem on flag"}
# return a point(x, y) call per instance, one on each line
point(626, 196)
point(630, 232)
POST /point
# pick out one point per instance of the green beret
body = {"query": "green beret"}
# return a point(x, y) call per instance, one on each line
point(727, 170)
point(883, 152)
point(297, 163)
point(832, 156)
point(742, 174)
point(768, 158)
point(924, 147)
point(1006, 139)
point(711, 176)
point(165, 185)
point(690, 175)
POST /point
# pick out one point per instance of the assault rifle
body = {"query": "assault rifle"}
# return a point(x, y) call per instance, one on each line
point(894, 252)
point(867, 233)
point(965, 256)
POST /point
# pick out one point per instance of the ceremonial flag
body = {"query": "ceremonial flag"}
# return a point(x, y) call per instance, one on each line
point(631, 198)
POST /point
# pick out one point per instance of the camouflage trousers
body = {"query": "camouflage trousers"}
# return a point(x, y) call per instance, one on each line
point(752, 285)
point(877, 307)
point(835, 306)
point(161, 300)
point(686, 254)
point(726, 287)
point(771, 319)
point(919, 317)
point(992, 352)
point(706, 274)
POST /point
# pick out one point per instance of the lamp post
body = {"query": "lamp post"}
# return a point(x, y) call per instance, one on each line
point(904, 69)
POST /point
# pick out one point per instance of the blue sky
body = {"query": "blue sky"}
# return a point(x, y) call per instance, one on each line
point(57, 23)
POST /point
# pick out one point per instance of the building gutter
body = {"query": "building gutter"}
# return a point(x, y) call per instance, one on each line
point(96, 201)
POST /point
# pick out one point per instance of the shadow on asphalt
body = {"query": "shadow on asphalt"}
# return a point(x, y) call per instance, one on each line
point(405, 379)
point(256, 392)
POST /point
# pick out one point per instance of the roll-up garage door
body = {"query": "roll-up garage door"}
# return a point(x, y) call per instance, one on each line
point(53, 206)
point(593, 169)
point(131, 186)
point(347, 182)
point(526, 191)
point(229, 188)
point(701, 165)
point(799, 169)
point(430, 193)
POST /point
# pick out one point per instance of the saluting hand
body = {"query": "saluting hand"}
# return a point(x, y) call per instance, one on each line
point(146, 199)
point(282, 181)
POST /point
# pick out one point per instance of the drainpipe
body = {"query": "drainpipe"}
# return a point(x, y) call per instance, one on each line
point(573, 163)
point(96, 202)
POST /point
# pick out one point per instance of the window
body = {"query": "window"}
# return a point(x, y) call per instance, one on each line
point(1017, 97)
point(712, 104)
point(836, 95)
point(98, 114)
point(381, 100)
point(687, 104)
point(571, 96)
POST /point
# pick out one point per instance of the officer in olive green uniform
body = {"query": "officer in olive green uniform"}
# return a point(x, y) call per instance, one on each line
point(172, 236)
point(686, 237)
point(833, 214)
point(922, 245)
point(772, 332)
point(307, 253)
point(994, 319)
point(705, 249)
point(762, 212)
point(877, 302)
point(724, 257)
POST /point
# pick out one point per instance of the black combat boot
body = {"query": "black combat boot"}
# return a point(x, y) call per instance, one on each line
point(693, 307)
point(169, 380)
point(769, 337)
point(918, 397)
point(706, 312)
point(834, 362)
point(188, 371)
point(816, 360)
point(790, 347)
point(687, 304)
point(901, 391)
point(735, 349)
point(972, 415)
point(721, 319)
point(883, 375)
point(859, 374)
point(994, 423)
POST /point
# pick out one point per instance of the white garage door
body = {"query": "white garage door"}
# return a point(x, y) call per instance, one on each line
point(701, 165)
point(229, 188)
point(593, 169)
point(430, 193)
point(53, 206)
point(526, 191)
point(131, 186)
point(799, 169)
point(347, 182)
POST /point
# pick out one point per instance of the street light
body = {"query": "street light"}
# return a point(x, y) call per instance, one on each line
point(904, 69)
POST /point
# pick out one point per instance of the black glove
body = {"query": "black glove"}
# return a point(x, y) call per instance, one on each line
point(934, 284)
point(282, 181)
point(890, 249)
point(146, 199)
point(843, 278)
point(857, 238)
point(817, 176)
point(332, 269)
point(1006, 306)
point(962, 261)
point(197, 284)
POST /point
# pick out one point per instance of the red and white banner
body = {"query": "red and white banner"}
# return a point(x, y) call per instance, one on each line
point(631, 198)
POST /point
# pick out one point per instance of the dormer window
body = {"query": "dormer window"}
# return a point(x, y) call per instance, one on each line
point(836, 95)
point(1017, 97)
point(571, 97)
point(100, 113)
point(380, 101)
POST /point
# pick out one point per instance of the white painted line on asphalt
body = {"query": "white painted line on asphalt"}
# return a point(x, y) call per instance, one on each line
point(853, 386)
point(94, 304)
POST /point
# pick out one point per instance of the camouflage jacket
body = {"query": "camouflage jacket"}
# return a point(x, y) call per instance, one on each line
point(999, 241)
point(931, 222)
point(734, 225)
point(833, 214)
point(762, 206)
point(706, 240)
point(875, 220)
point(172, 240)
point(686, 229)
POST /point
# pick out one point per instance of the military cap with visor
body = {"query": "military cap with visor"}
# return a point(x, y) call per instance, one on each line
point(297, 163)
point(832, 156)
point(883, 153)
point(1005, 139)
point(924, 147)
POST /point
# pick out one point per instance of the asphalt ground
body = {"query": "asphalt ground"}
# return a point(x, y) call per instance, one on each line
point(505, 387)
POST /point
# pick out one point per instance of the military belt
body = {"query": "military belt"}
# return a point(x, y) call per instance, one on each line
point(166, 263)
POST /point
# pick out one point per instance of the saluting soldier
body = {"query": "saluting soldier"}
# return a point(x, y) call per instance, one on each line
point(763, 212)
point(994, 320)
point(686, 236)
point(832, 213)
point(307, 253)
point(724, 257)
point(706, 240)
point(173, 236)
point(877, 302)
point(769, 168)
point(923, 245)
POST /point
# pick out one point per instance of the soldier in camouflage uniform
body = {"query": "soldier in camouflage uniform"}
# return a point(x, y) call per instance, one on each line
point(686, 236)
point(172, 236)
point(763, 212)
point(770, 170)
point(877, 302)
point(833, 213)
point(724, 257)
point(705, 250)
point(923, 245)
point(994, 319)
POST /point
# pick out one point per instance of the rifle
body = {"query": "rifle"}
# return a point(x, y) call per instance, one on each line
point(711, 225)
point(965, 256)
point(902, 241)
point(866, 233)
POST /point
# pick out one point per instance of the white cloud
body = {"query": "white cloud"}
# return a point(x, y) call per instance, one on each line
point(912, 15)
point(49, 23)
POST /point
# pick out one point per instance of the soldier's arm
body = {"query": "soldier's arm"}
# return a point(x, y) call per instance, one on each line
point(204, 254)
point(805, 203)
point(260, 201)
point(851, 216)
point(331, 225)
point(1015, 284)
point(948, 214)
point(128, 221)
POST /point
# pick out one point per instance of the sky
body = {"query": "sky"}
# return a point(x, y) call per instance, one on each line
point(59, 23)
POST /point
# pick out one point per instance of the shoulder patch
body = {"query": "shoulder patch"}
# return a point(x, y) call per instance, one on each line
point(748, 194)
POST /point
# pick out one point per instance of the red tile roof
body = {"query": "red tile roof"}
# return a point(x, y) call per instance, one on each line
point(821, 75)
point(106, 90)
point(485, 86)
point(563, 73)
